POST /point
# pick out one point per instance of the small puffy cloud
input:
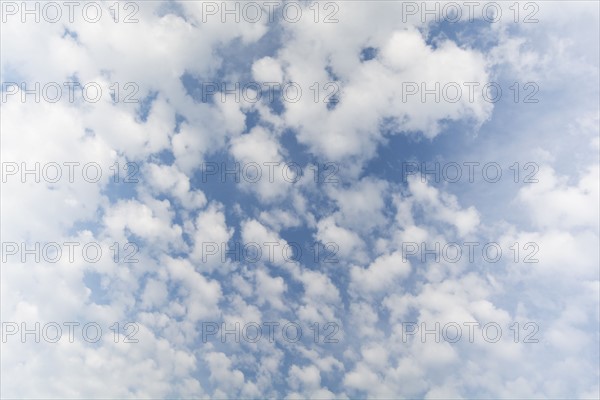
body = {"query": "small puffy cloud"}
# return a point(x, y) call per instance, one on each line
point(553, 202)
point(308, 378)
point(267, 69)
point(210, 238)
point(260, 157)
point(270, 290)
point(150, 221)
point(361, 207)
point(155, 293)
point(380, 275)
point(443, 207)
point(349, 244)
point(168, 179)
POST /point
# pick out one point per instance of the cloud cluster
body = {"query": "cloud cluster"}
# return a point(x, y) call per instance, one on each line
point(172, 243)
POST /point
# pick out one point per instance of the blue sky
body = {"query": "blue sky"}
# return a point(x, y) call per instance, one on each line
point(178, 212)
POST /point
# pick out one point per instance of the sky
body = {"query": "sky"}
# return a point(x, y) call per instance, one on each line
point(300, 199)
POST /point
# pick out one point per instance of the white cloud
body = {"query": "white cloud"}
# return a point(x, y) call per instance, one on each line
point(370, 291)
point(211, 237)
point(383, 273)
point(267, 69)
point(553, 202)
point(443, 207)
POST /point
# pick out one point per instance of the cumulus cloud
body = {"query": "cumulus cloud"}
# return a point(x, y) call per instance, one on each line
point(132, 166)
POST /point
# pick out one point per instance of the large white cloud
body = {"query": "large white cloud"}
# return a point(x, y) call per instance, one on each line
point(371, 292)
